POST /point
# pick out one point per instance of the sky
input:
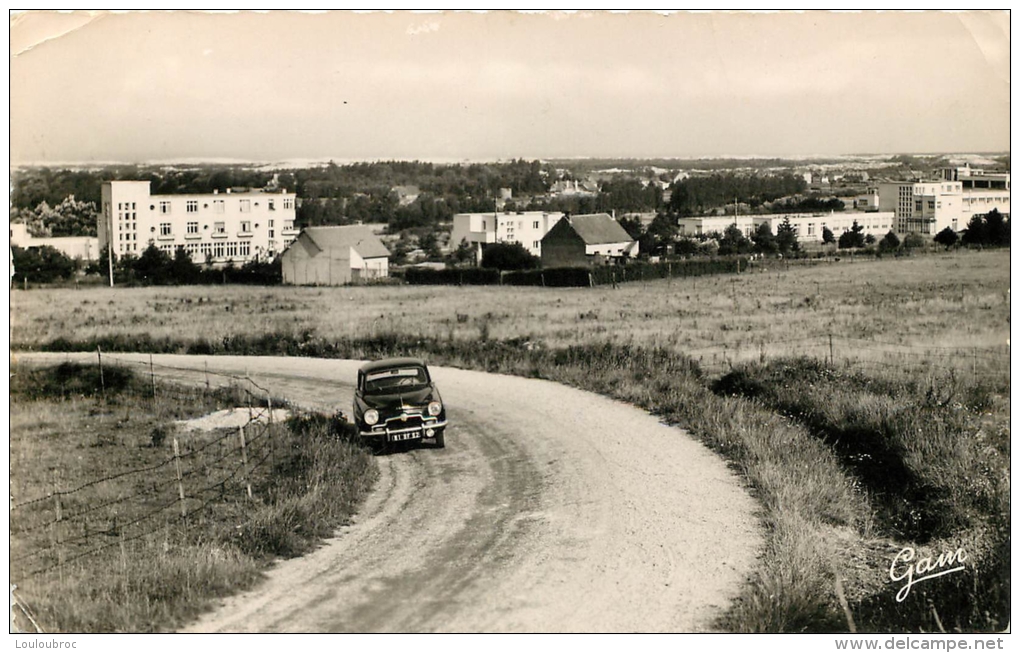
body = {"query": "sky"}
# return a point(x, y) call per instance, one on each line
point(161, 86)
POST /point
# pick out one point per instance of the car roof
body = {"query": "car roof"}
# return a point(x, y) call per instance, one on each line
point(388, 363)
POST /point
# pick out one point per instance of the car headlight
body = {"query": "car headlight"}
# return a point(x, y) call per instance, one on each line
point(371, 416)
point(435, 408)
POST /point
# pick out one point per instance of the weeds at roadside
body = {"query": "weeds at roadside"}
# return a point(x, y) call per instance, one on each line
point(124, 570)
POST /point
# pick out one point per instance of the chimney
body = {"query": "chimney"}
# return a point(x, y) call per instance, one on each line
point(216, 191)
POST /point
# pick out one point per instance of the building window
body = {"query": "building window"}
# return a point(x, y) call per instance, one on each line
point(534, 225)
point(811, 229)
point(535, 245)
point(164, 229)
point(192, 206)
point(288, 224)
point(272, 205)
point(218, 250)
point(245, 227)
point(164, 207)
point(245, 206)
point(192, 227)
point(231, 249)
point(219, 227)
point(271, 233)
point(217, 206)
point(271, 223)
point(245, 249)
point(288, 203)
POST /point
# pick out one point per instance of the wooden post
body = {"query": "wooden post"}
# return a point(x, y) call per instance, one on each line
point(244, 461)
point(272, 439)
point(102, 380)
point(152, 379)
point(57, 535)
point(206, 375)
point(831, 360)
point(123, 565)
point(180, 481)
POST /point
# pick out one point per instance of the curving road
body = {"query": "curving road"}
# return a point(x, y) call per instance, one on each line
point(550, 510)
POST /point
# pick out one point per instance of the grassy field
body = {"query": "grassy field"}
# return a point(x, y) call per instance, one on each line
point(929, 302)
point(118, 550)
point(910, 364)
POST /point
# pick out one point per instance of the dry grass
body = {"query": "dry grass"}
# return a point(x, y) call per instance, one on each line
point(896, 319)
point(933, 301)
point(114, 554)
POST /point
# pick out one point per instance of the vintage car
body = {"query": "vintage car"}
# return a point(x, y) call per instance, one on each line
point(396, 401)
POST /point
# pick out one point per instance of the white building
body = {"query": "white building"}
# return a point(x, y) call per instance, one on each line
point(527, 228)
point(928, 207)
point(808, 226)
point(230, 227)
point(85, 248)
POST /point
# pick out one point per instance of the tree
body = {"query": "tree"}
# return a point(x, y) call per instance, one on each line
point(764, 241)
point(153, 266)
point(890, 242)
point(733, 241)
point(508, 256)
point(996, 229)
point(182, 269)
point(632, 225)
point(976, 232)
point(786, 237)
point(827, 236)
point(852, 238)
point(40, 264)
point(869, 239)
point(465, 253)
point(947, 237)
point(660, 233)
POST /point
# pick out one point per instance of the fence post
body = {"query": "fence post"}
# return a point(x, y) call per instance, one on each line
point(180, 481)
point(244, 461)
point(102, 380)
point(206, 375)
point(831, 358)
point(152, 379)
point(57, 535)
point(269, 432)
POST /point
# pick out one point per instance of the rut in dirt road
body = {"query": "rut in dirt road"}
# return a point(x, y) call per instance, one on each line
point(550, 510)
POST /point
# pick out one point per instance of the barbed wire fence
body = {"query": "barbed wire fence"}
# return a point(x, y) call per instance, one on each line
point(68, 525)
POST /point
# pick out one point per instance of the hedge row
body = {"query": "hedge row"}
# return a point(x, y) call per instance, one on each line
point(575, 276)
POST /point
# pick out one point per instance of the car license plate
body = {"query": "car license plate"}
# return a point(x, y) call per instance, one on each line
point(410, 435)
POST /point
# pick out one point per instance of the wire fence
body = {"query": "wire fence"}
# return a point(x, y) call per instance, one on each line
point(71, 523)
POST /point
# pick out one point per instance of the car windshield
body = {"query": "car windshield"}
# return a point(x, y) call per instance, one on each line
point(395, 380)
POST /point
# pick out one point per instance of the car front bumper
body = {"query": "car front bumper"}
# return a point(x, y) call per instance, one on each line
point(408, 433)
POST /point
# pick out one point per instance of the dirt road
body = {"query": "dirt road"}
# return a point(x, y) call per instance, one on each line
point(550, 510)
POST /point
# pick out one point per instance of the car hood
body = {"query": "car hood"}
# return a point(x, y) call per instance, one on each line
point(418, 397)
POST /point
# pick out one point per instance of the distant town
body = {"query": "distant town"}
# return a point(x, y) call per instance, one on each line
point(333, 224)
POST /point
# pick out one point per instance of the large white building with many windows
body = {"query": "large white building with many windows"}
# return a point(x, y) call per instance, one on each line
point(217, 228)
point(809, 227)
point(928, 207)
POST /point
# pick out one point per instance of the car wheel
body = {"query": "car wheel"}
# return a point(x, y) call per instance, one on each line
point(440, 440)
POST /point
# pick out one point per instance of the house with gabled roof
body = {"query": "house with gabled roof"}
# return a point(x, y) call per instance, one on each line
point(592, 239)
point(334, 256)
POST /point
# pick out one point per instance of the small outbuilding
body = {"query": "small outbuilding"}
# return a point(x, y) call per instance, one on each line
point(593, 239)
point(334, 256)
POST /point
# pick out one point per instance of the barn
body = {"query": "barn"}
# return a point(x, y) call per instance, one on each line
point(333, 256)
point(586, 240)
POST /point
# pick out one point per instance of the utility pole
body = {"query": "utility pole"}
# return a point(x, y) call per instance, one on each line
point(109, 240)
